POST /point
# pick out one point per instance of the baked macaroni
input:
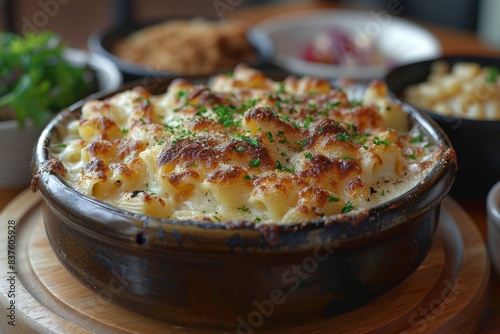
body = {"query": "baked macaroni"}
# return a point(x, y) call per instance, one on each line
point(244, 147)
point(466, 90)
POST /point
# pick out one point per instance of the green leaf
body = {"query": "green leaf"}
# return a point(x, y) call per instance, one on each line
point(492, 75)
point(255, 163)
point(36, 80)
point(347, 207)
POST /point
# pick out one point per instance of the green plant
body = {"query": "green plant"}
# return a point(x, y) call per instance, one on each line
point(36, 79)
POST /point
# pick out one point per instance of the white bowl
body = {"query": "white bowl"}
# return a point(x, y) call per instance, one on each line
point(493, 211)
point(397, 39)
point(109, 76)
point(16, 145)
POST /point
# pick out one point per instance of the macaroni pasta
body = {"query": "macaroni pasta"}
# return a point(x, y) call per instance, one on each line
point(244, 147)
point(467, 90)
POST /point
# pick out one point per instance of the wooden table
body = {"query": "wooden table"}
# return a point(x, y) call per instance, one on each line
point(453, 42)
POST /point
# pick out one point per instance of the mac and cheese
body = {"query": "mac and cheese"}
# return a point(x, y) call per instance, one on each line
point(245, 147)
point(468, 91)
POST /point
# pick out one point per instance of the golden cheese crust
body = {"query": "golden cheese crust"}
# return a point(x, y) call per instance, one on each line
point(245, 147)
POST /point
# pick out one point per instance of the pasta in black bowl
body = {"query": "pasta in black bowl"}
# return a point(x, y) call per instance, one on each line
point(137, 208)
point(462, 94)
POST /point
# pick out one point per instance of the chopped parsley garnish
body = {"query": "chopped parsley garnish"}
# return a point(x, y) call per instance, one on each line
point(255, 163)
point(378, 141)
point(239, 149)
point(492, 75)
point(359, 139)
point(278, 165)
point(333, 199)
point(301, 143)
point(201, 109)
point(141, 98)
point(355, 103)
point(282, 168)
point(252, 141)
point(295, 99)
point(417, 139)
point(225, 115)
point(257, 220)
point(248, 104)
point(229, 74)
point(353, 128)
point(270, 136)
point(279, 133)
point(331, 105)
point(308, 121)
point(61, 145)
point(412, 155)
point(124, 130)
point(347, 207)
point(217, 218)
point(346, 157)
point(247, 177)
point(281, 89)
point(282, 141)
point(308, 155)
point(283, 154)
point(171, 128)
point(183, 134)
point(182, 94)
point(243, 208)
point(343, 136)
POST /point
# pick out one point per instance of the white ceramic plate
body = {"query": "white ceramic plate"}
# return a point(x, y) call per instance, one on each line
point(399, 40)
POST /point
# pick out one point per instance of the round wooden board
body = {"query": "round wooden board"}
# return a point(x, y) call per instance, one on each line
point(446, 293)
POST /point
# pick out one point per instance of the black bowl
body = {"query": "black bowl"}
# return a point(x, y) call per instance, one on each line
point(104, 42)
point(476, 142)
point(230, 275)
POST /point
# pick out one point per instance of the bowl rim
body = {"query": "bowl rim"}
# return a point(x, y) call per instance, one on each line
point(450, 59)
point(50, 184)
point(493, 205)
point(100, 64)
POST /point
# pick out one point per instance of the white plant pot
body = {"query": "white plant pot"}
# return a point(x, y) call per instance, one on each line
point(16, 147)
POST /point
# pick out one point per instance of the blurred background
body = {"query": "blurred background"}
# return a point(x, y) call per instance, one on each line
point(75, 20)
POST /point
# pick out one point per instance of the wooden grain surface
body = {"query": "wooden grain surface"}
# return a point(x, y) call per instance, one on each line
point(445, 294)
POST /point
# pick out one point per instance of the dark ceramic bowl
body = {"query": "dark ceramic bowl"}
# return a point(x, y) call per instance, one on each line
point(234, 275)
point(476, 142)
point(103, 43)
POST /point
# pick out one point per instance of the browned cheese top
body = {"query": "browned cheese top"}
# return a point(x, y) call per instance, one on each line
point(245, 147)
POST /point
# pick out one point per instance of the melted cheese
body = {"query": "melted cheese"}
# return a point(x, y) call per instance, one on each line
point(245, 147)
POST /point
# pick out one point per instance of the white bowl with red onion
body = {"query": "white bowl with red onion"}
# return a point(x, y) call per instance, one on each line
point(346, 43)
